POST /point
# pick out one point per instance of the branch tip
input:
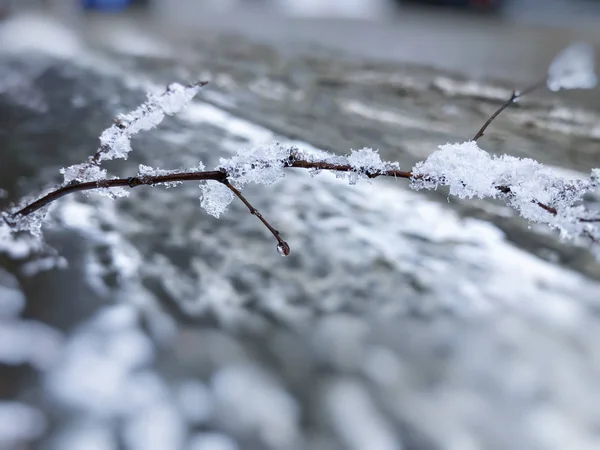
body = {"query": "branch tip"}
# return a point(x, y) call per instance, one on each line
point(283, 248)
point(515, 95)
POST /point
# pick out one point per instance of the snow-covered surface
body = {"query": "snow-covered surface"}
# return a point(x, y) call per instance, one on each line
point(12, 300)
point(573, 68)
point(334, 8)
point(38, 33)
point(28, 342)
point(212, 441)
point(106, 369)
point(19, 422)
point(396, 323)
point(357, 419)
point(261, 165)
point(123, 38)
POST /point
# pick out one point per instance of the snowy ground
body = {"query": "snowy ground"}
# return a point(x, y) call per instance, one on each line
point(400, 321)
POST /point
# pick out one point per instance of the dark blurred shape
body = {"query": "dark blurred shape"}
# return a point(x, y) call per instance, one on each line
point(112, 5)
point(4, 11)
point(477, 5)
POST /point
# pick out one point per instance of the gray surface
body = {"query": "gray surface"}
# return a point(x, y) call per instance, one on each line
point(400, 320)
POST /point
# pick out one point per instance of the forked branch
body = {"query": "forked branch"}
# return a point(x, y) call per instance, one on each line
point(516, 95)
point(465, 168)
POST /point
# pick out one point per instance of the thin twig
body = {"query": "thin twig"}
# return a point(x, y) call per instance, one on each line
point(147, 180)
point(513, 98)
point(96, 160)
point(348, 168)
point(222, 177)
point(282, 246)
point(130, 182)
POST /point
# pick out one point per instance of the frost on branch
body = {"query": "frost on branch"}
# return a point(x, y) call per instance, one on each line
point(215, 197)
point(573, 68)
point(365, 162)
point(115, 142)
point(20, 245)
point(260, 165)
point(145, 171)
point(266, 164)
point(83, 172)
point(537, 192)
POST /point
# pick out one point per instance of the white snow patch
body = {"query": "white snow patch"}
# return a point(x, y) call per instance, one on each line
point(364, 162)
point(573, 68)
point(523, 183)
point(38, 265)
point(127, 39)
point(157, 427)
point(254, 402)
point(36, 33)
point(19, 422)
point(255, 135)
point(195, 401)
point(212, 441)
point(356, 419)
point(29, 342)
point(334, 8)
point(12, 301)
point(99, 361)
point(85, 434)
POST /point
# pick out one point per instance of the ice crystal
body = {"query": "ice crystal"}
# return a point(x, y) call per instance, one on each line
point(261, 165)
point(215, 198)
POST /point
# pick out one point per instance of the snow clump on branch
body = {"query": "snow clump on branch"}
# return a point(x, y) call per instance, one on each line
point(115, 142)
point(537, 192)
point(266, 164)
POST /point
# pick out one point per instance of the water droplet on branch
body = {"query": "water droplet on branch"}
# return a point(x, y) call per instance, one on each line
point(283, 249)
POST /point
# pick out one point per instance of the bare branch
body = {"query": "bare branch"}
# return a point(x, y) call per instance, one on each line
point(223, 177)
point(282, 247)
point(322, 165)
point(263, 165)
point(513, 98)
point(215, 175)
point(116, 182)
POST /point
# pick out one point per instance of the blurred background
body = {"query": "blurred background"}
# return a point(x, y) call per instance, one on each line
point(401, 320)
